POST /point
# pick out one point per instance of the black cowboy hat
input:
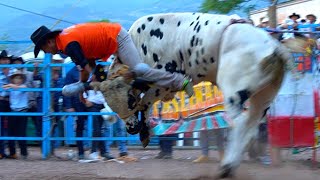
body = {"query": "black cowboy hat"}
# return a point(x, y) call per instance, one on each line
point(4, 54)
point(13, 59)
point(311, 15)
point(100, 74)
point(294, 14)
point(40, 36)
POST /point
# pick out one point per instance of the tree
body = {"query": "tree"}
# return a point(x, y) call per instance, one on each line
point(102, 20)
point(222, 6)
point(226, 6)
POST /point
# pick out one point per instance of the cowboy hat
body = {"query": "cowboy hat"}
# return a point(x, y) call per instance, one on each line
point(40, 36)
point(18, 73)
point(294, 14)
point(4, 54)
point(13, 59)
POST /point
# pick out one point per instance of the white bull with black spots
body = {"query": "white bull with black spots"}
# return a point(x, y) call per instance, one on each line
point(246, 63)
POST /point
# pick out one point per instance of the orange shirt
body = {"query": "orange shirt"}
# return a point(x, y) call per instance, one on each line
point(97, 40)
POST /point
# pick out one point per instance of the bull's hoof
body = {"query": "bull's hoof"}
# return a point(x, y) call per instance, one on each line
point(145, 142)
point(144, 135)
point(134, 126)
point(226, 171)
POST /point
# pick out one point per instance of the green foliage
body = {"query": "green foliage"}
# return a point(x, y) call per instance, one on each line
point(222, 6)
point(101, 20)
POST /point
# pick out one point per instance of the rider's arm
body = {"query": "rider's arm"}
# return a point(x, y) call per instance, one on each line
point(74, 50)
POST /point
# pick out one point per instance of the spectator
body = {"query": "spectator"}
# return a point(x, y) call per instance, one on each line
point(4, 98)
point(73, 104)
point(120, 131)
point(31, 95)
point(37, 77)
point(17, 125)
point(311, 20)
point(94, 101)
point(290, 24)
point(56, 97)
point(166, 145)
point(264, 22)
point(220, 139)
point(56, 82)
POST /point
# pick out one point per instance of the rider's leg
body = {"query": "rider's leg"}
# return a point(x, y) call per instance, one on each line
point(129, 55)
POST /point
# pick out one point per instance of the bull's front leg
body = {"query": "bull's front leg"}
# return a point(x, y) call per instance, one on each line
point(144, 131)
point(135, 126)
point(242, 132)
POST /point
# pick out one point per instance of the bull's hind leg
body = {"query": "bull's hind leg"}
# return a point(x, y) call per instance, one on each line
point(245, 127)
point(238, 88)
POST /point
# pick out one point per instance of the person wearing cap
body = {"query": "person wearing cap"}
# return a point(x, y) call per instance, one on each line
point(290, 24)
point(17, 125)
point(264, 22)
point(31, 95)
point(85, 43)
point(4, 97)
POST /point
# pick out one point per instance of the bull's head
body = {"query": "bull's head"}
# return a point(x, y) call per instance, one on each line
point(130, 98)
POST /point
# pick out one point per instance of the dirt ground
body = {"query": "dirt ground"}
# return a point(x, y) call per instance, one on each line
point(294, 167)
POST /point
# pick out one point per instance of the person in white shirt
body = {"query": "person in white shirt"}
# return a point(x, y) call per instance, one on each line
point(94, 101)
point(290, 24)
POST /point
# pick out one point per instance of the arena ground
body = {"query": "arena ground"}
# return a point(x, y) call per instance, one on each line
point(294, 167)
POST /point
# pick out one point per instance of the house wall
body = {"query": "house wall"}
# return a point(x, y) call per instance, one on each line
point(301, 7)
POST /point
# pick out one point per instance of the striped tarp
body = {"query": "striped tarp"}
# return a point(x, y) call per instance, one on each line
point(207, 121)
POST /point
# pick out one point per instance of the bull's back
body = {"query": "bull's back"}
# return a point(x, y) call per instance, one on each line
point(180, 42)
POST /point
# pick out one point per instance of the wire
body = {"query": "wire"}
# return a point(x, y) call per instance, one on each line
point(65, 14)
point(50, 17)
point(56, 23)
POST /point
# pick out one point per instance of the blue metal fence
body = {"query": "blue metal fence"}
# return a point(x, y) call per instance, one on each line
point(47, 114)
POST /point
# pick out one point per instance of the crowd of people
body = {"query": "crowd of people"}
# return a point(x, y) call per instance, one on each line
point(24, 101)
point(296, 23)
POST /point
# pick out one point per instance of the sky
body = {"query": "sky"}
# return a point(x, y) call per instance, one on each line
point(19, 25)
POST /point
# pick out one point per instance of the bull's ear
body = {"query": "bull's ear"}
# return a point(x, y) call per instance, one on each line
point(142, 84)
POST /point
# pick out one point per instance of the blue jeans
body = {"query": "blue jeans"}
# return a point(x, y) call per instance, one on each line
point(4, 107)
point(97, 128)
point(166, 144)
point(17, 127)
point(219, 138)
point(120, 130)
point(2, 133)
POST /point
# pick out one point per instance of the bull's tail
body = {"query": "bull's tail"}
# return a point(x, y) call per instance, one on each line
point(275, 65)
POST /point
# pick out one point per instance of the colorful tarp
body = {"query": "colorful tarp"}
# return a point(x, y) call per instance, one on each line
point(203, 111)
point(209, 121)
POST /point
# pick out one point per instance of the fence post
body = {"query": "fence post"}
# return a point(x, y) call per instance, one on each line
point(46, 99)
